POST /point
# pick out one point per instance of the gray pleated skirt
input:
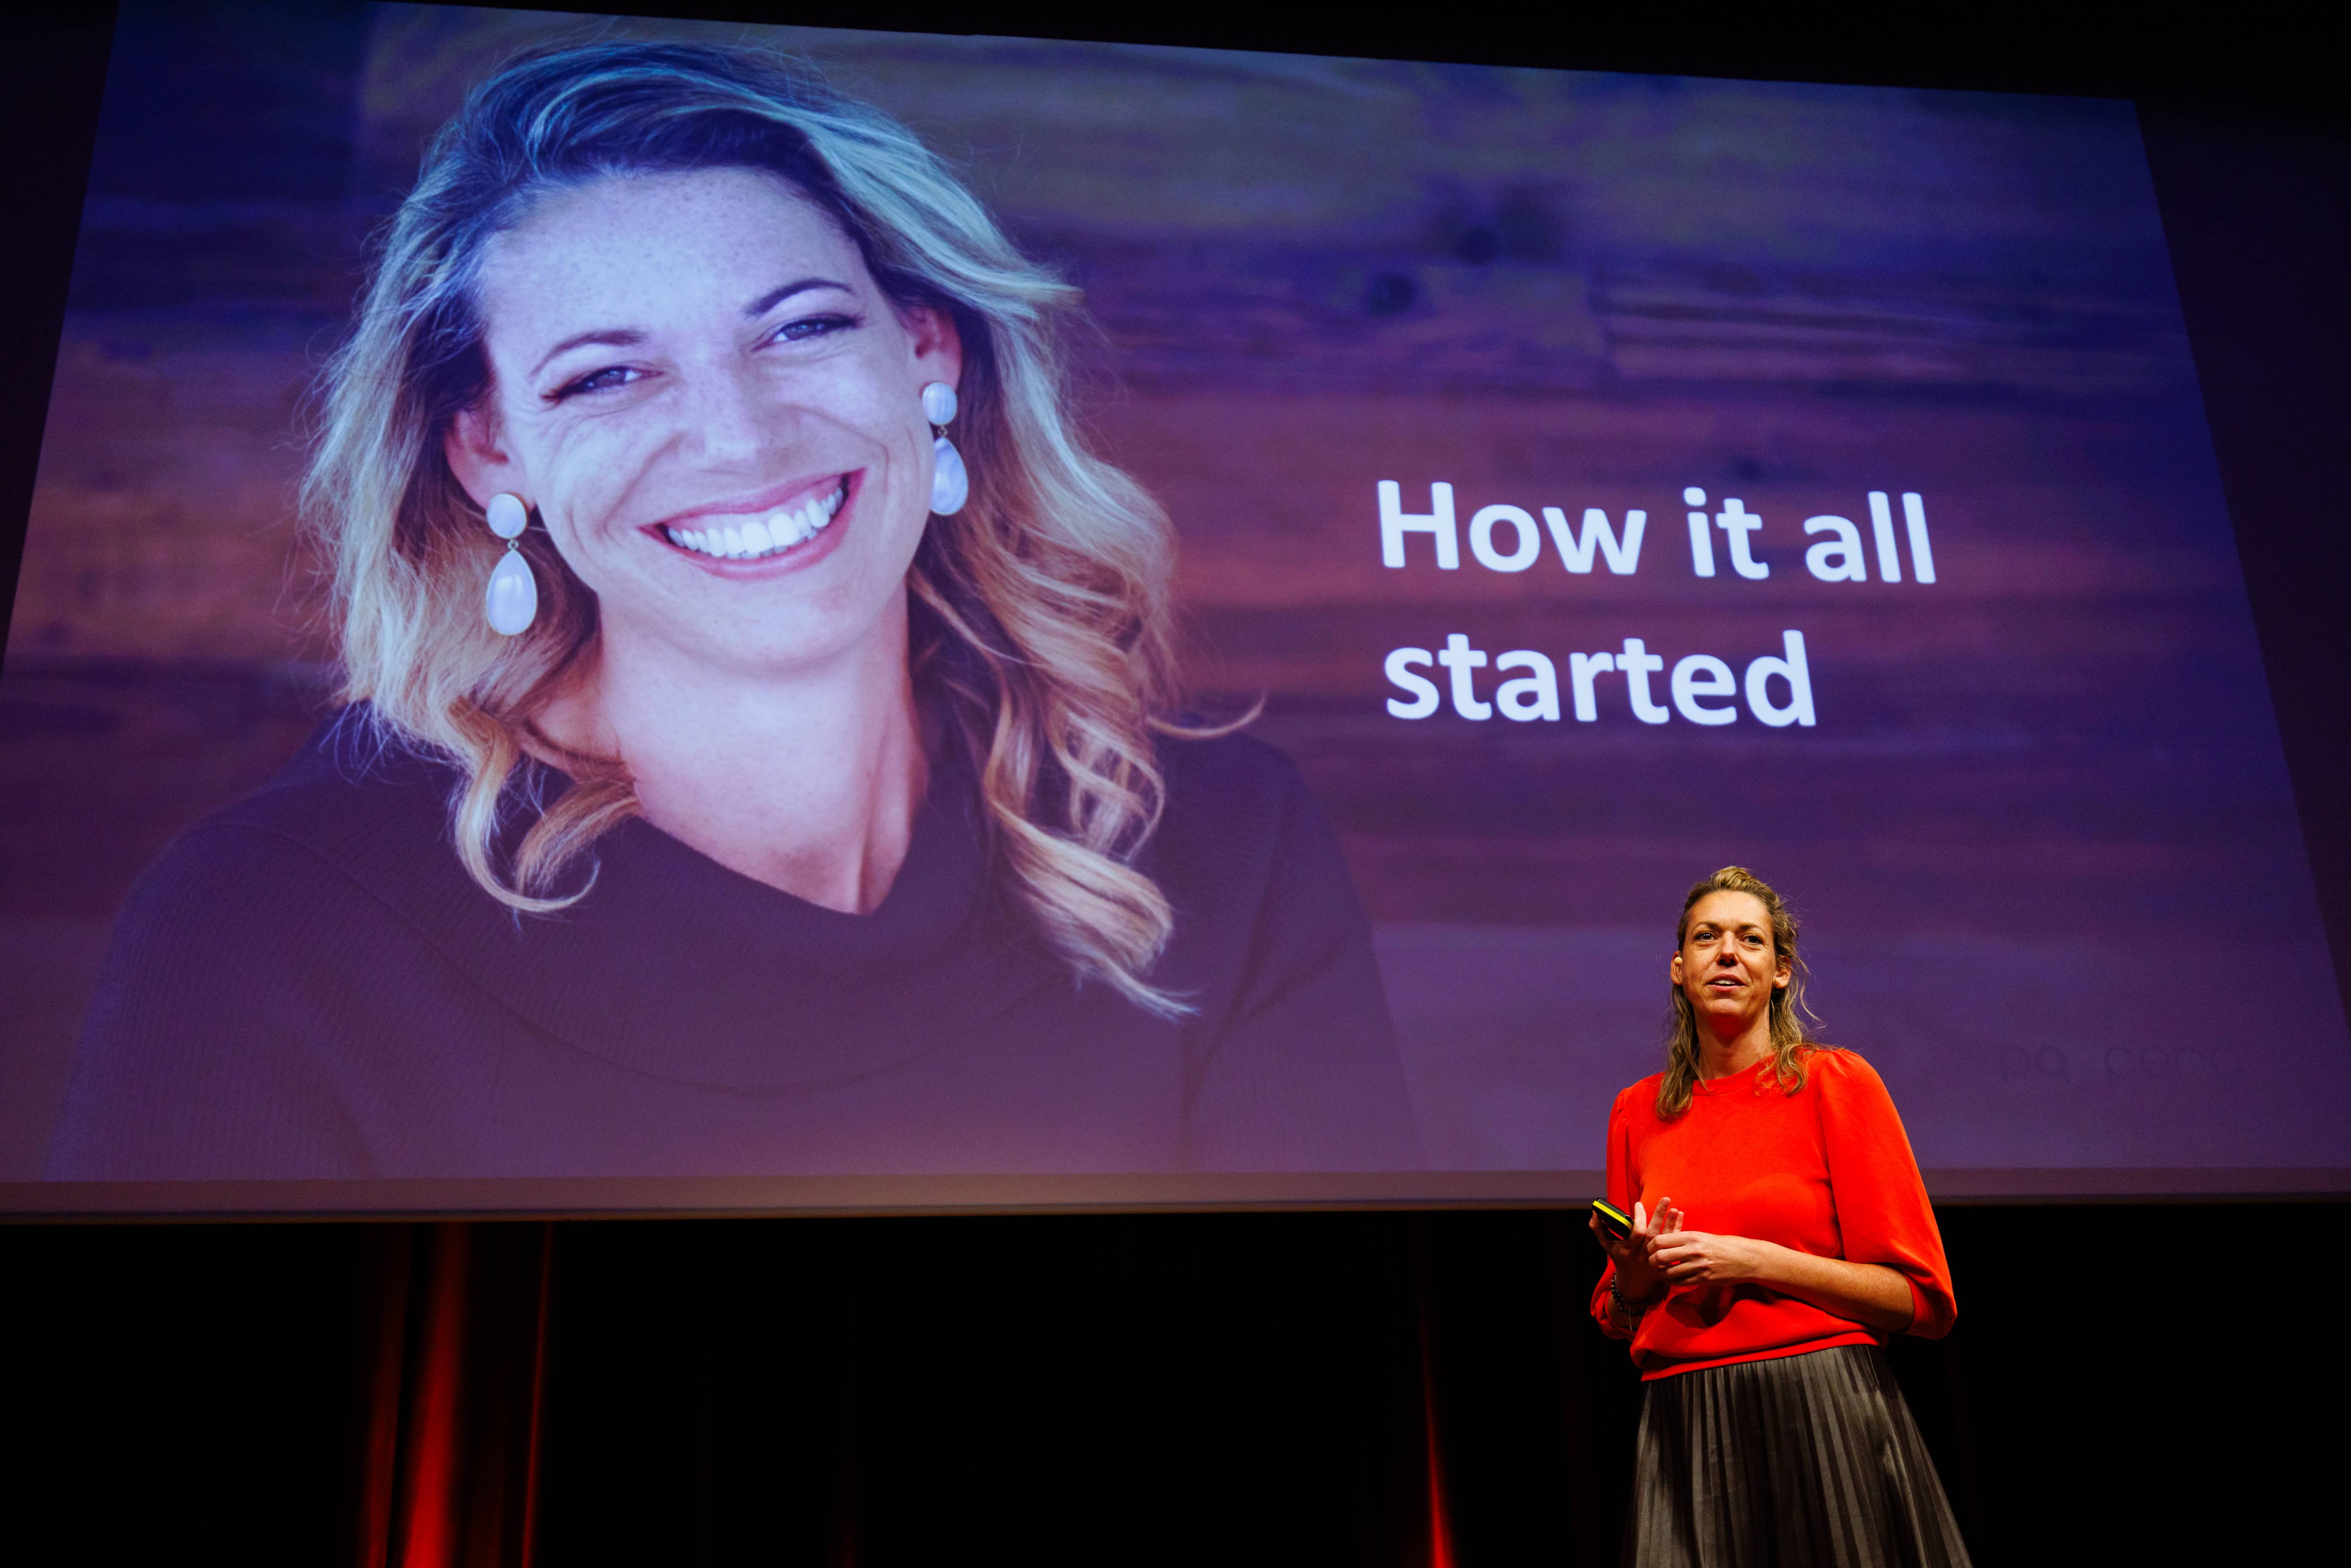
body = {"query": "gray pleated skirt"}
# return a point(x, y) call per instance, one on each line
point(1805, 1461)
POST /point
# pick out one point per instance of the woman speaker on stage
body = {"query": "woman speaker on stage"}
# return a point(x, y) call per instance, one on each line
point(1781, 1231)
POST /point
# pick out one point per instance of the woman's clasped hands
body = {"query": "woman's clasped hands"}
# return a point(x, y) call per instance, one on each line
point(1661, 1253)
point(1684, 1257)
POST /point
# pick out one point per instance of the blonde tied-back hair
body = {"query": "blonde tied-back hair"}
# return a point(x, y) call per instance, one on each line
point(1040, 627)
point(1790, 1019)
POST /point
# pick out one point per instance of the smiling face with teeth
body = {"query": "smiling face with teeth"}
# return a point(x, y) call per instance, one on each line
point(702, 392)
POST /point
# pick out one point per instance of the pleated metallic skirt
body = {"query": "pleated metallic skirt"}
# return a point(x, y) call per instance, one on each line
point(1805, 1461)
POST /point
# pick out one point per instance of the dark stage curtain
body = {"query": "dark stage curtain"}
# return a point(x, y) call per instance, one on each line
point(455, 1393)
point(1373, 1390)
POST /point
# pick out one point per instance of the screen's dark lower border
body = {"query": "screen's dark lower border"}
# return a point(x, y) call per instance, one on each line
point(678, 1196)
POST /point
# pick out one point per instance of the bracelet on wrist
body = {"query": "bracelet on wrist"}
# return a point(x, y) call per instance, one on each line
point(1633, 1309)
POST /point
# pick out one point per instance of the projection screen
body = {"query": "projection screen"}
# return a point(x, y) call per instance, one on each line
point(1572, 484)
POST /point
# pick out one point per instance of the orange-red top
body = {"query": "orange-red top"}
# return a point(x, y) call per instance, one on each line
point(1826, 1170)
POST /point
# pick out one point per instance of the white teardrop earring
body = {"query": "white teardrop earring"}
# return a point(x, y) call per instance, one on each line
point(950, 481)
point(512, 597)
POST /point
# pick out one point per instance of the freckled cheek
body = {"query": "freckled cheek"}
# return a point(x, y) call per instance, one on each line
point(590, 473)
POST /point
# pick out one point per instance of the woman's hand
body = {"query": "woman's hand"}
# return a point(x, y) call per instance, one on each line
point(1871, 1293)
point(1701, 1257)
point(1636, 1280)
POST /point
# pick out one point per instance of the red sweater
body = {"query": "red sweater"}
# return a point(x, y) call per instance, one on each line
point(1826, 1170)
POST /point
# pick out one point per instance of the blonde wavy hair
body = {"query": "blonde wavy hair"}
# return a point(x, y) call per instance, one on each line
point(1792, 1020)
point(1040, 636)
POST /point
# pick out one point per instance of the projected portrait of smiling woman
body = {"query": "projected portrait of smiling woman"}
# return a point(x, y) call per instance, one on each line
point(761, 753)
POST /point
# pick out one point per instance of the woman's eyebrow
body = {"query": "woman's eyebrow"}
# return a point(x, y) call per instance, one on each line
point(775, 297)
point(611, 337)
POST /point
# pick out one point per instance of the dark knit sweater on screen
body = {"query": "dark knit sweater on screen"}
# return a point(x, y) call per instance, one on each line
point(309, 984)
